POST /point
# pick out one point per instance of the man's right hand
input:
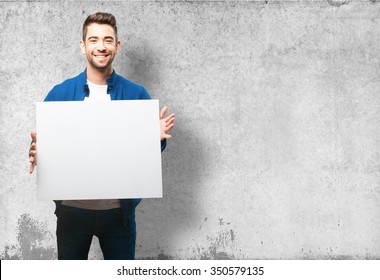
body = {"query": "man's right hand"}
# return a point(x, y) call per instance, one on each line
point(33, 152)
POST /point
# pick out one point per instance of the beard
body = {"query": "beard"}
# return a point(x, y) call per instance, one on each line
point(100, 66)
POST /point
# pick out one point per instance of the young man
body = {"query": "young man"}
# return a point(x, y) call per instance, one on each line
point(111, 220)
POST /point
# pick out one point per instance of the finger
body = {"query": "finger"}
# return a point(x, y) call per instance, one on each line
point(167, 136)
point(34, 136)
point(168, 128)
point(171, 116)
point(170, 121)
point(32, 153)
point(31, 159)
point(32, 149)
point(31, 169)
point(163, 111)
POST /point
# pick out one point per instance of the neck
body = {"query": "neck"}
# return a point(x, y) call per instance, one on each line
point(98, 77)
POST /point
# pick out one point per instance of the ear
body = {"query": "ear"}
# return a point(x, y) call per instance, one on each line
point(117, 46)
point(82, 47)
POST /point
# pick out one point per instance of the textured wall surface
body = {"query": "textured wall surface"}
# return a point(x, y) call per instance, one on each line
point(276, 149)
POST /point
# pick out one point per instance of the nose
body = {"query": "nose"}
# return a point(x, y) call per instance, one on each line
point(100, 45)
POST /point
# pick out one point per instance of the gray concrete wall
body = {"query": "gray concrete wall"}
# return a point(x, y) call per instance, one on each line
point(276, 149)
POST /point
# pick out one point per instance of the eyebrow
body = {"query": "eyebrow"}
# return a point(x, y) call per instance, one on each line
point(96, 37)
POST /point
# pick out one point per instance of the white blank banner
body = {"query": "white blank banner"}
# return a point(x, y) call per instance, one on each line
point(98, 150)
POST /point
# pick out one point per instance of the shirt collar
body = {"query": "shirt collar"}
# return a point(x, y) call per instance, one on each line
point(110, 82)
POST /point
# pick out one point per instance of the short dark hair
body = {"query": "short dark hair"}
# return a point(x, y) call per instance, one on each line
point(101, 18)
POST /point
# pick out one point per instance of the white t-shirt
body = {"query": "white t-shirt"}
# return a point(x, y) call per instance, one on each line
point(97, 92)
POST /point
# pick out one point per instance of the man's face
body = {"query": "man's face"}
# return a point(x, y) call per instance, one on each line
point(100, 46)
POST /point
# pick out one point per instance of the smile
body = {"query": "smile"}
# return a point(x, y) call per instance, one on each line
point(101, 55)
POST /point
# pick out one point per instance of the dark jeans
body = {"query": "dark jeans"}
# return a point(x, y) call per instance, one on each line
point(76, 227)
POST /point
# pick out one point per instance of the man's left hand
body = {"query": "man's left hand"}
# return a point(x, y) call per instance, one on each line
point(166, 123)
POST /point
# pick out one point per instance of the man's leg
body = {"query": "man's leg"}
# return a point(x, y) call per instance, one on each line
point(117, 236)
point(75, 228)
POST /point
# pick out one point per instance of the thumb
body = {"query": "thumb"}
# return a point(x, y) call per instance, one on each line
point(34, 136)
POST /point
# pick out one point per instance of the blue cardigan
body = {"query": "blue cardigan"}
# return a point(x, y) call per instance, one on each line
point(119, 88)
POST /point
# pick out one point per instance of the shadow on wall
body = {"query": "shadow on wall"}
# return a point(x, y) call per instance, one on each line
point(141, 66)
point(161, 223)
point(170, 217)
